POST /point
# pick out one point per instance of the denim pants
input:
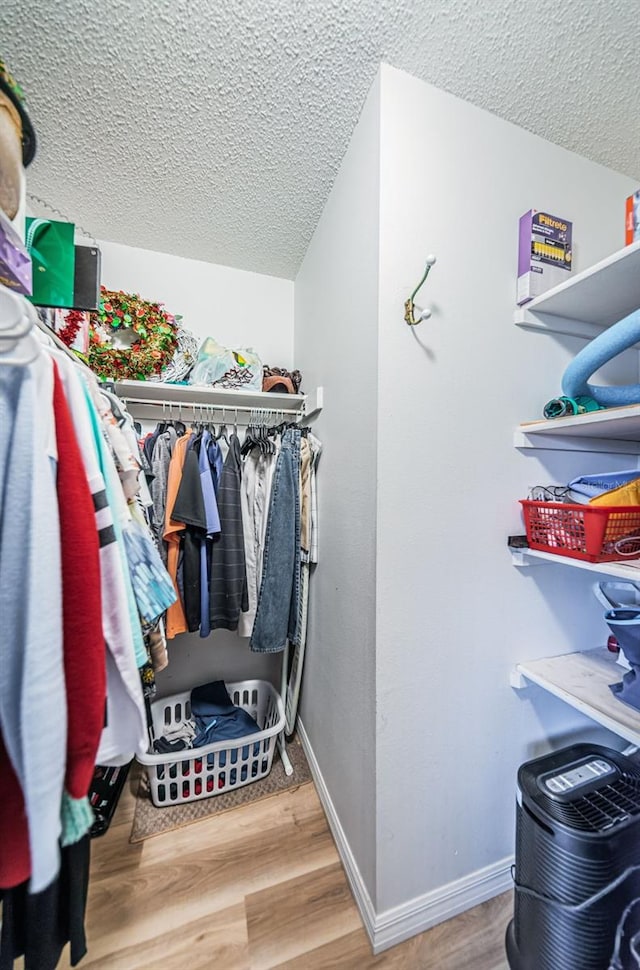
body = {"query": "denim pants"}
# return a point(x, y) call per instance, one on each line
point(277, 615)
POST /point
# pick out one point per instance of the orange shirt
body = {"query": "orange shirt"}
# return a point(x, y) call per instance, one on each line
point(176, 621)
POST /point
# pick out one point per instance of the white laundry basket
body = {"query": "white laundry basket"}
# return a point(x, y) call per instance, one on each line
point(214, 768)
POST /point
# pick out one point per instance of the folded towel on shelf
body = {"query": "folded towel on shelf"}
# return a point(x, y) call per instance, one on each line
point(593, 485)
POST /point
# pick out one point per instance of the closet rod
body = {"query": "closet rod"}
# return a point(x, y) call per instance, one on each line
point(204, 406)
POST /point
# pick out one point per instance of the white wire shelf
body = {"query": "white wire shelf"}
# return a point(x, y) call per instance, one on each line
point(583, 681)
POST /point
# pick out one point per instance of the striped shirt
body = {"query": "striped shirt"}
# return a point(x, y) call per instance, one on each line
point(228, 589)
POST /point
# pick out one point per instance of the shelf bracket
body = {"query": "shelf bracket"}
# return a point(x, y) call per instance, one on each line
point(521, 559)
point(517, 679)
point(314, 402)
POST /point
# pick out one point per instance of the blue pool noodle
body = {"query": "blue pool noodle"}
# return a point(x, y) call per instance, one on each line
point(600, 350)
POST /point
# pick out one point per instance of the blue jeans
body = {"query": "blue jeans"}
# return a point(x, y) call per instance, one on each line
point(277, 614)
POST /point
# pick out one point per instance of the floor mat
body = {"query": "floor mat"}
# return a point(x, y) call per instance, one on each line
point(149, 820)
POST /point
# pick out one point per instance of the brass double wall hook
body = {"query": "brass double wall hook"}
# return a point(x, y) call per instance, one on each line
point(410, 307)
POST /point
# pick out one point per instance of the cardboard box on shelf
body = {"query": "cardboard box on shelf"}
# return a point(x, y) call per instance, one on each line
point(544, 254)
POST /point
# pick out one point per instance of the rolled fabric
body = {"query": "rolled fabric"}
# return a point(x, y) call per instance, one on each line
point(559, 407)
point(603, 348)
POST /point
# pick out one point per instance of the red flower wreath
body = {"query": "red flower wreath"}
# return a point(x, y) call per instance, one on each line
point(151, 351)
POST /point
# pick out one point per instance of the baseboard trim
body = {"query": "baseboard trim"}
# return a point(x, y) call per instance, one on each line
point(358, 888)
point(392, 926)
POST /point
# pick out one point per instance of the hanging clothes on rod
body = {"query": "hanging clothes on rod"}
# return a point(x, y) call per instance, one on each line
point(228, 593)
point(81, 587)
point(238, 529)
point(280, 500)
point(255, 496)
point(278, 601)
point(311, 448)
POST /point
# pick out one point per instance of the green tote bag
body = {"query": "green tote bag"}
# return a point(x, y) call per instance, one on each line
point(51, 245)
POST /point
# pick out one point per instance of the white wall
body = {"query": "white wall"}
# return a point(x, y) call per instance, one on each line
point(239, 309)
point(453, 615)
point(236, 307)
point(336, 313)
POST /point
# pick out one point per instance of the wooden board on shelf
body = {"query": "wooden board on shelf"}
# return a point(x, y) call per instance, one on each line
point(583, 680)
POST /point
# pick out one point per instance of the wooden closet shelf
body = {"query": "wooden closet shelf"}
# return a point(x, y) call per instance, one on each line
point(155, 398)
point(583, 680)
point(157, 393)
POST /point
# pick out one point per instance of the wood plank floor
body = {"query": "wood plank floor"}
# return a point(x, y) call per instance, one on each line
point(257, 888)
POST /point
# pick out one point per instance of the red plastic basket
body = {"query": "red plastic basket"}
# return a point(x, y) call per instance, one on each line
point(597, 533)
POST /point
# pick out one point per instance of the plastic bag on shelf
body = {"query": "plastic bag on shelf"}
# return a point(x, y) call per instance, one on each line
point(219, 366)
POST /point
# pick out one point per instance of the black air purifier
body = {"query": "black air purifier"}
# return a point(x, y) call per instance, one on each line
point(577, 835)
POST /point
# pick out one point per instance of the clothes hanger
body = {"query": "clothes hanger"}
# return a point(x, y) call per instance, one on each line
point(222, 433)
point(161, 425)
point(17, 316)
point(252, 434)
point(265, 444)
point(270, 443)
point(274, 418)
point(18, 342)
point(194, 419)
point(21, 352)
point(213, 423)
point(176, 422)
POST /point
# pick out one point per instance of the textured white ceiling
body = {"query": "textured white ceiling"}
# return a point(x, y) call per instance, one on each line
point(214, 128)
